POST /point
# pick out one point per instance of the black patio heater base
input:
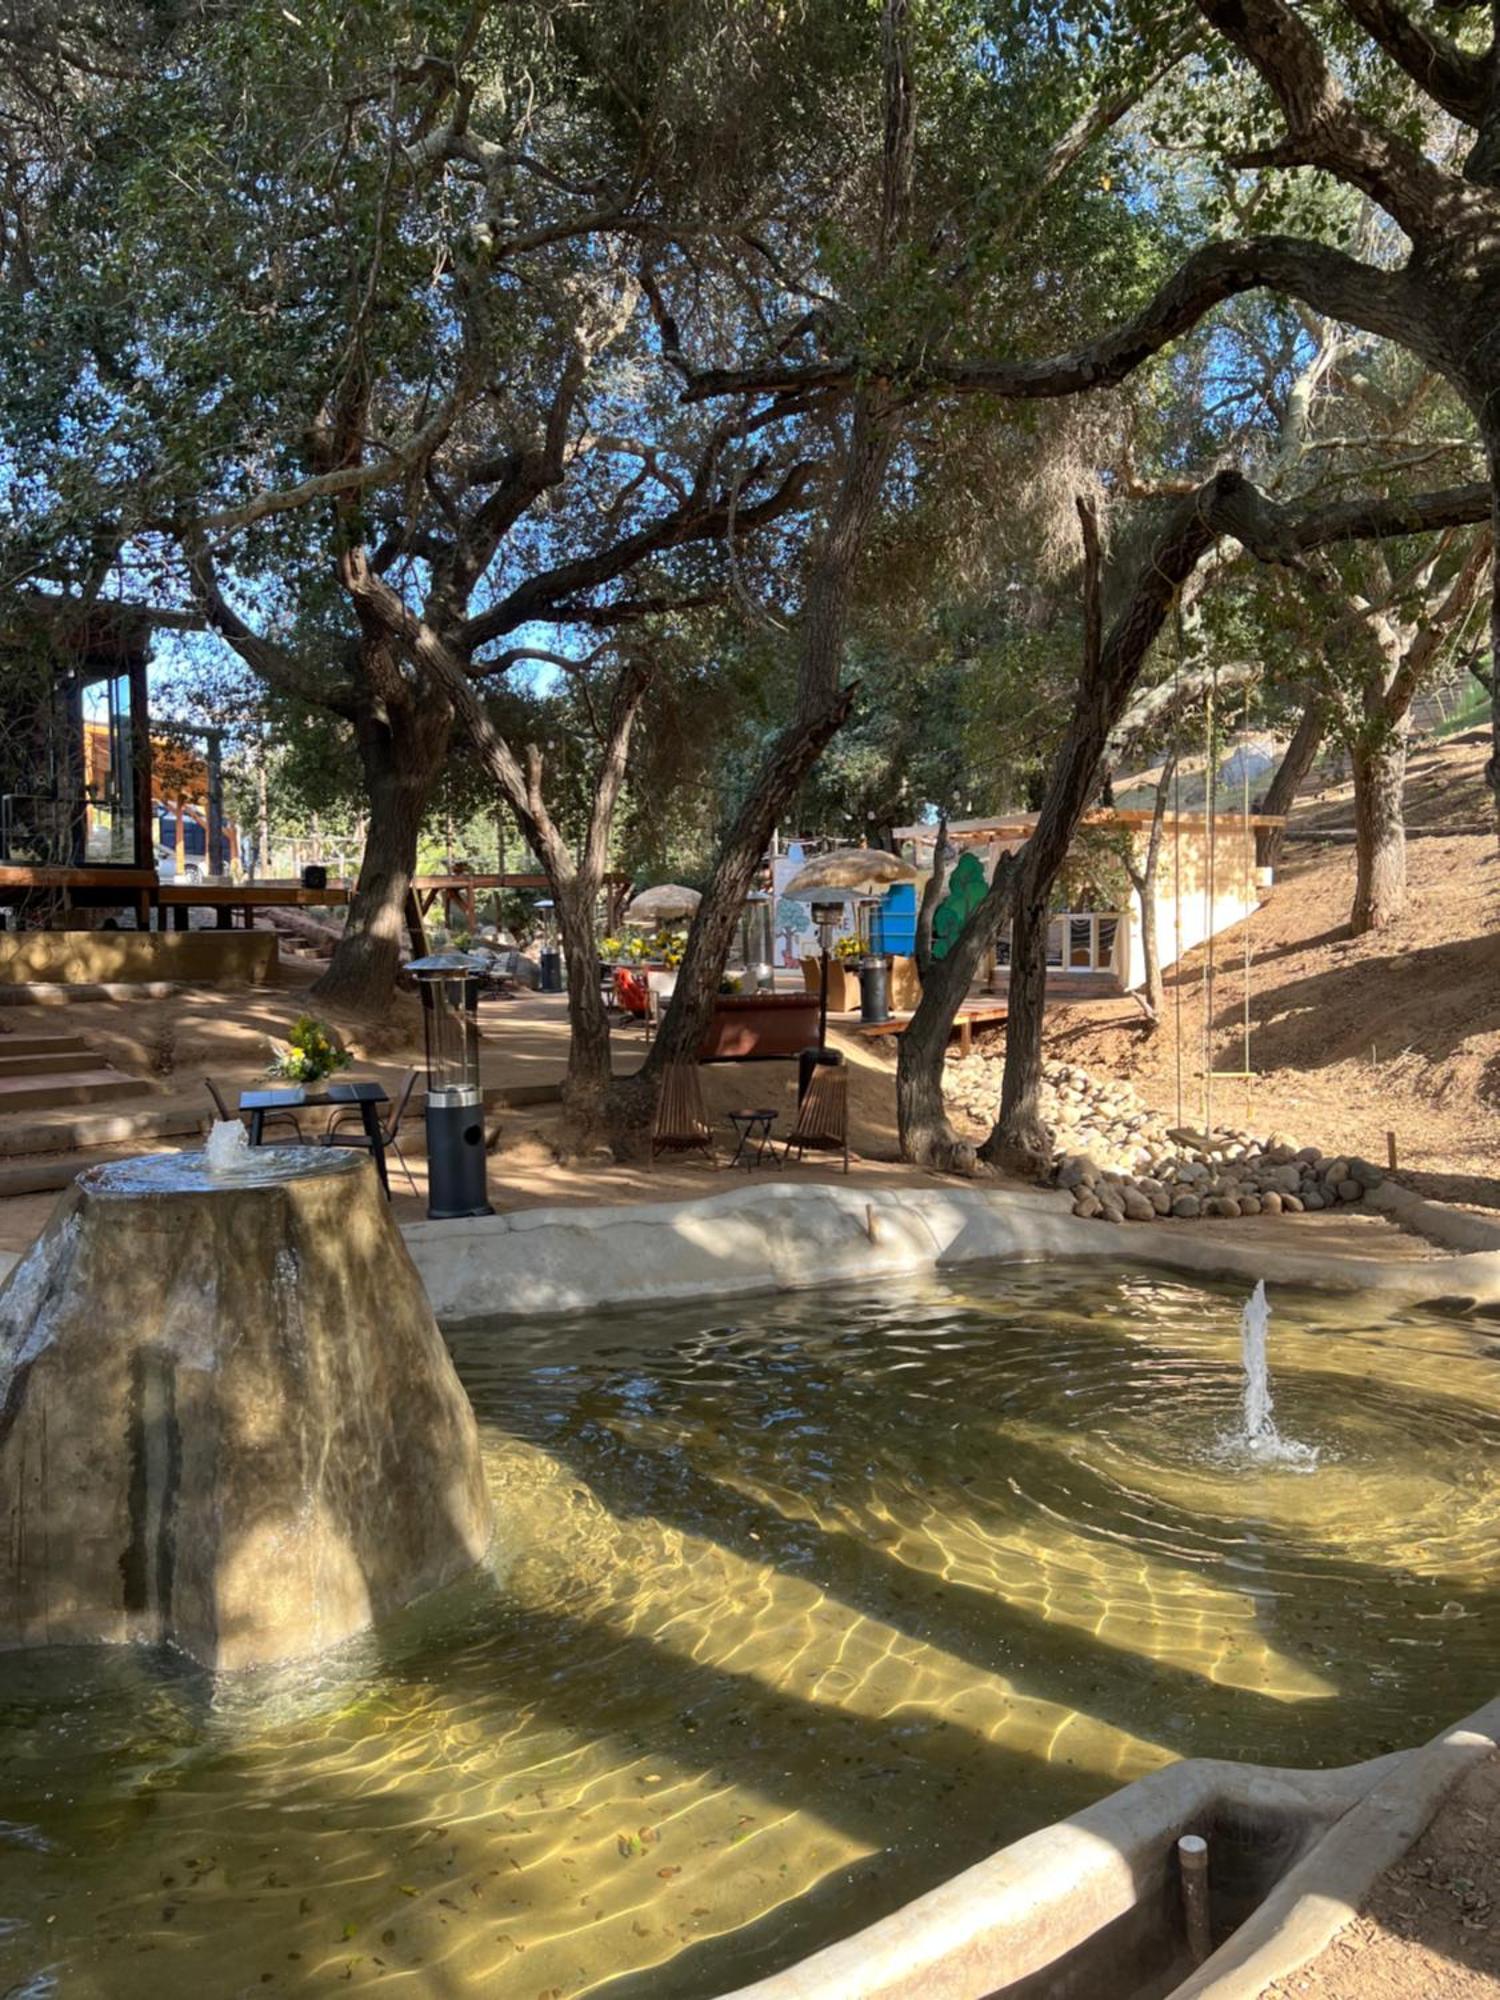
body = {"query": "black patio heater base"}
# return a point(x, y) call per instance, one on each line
point(456, 1162)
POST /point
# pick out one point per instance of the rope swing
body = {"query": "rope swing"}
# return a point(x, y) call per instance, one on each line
point(1177, 853)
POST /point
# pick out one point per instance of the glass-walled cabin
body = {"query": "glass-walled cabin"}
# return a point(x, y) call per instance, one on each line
point(74, 769)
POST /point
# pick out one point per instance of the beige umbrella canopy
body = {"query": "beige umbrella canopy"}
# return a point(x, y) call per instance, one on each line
point(851, 871)
point(664, 903)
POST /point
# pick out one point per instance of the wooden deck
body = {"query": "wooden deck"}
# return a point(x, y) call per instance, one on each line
point(972, 1014)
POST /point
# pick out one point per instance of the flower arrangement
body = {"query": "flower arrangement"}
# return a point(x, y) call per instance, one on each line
point(612, 948)
point(849, 947)
point(309, 1053)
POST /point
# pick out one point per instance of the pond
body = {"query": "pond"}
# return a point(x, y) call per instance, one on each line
point(797, 1606)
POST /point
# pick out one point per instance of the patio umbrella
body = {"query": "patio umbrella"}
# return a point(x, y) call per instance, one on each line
point(668, 900)
point(850, 871)
point(845, 871)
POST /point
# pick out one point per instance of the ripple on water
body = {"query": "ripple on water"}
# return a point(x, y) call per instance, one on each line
point(792, 1613)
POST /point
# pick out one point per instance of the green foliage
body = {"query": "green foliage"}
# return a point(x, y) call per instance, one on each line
point(966, 891)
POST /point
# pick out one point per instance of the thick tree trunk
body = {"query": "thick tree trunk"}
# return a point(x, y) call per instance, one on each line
point(712, 935)
point(1492, 766)
point(1150, 944)
point(927, 1137)
point(821, 709)
point(1379, 830)
point(402, 754)
point(1021, 1142)
point(1143, 882)
point(1291, 774)
point(586, 1083)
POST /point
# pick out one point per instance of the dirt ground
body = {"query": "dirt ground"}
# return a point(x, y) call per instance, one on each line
point(1431, 1930)
point(1350, 1038)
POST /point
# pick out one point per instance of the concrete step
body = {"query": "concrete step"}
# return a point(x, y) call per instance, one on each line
point(48, 993)
point(56, 1064)
point(85, 1131)
point(43, 1045)
point(76, 1086)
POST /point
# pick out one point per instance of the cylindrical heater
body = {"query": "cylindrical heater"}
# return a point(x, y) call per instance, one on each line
point(456, 1160)
point(874, 990)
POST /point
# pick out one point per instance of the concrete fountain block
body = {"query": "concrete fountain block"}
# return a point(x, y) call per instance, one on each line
point(227, 1418)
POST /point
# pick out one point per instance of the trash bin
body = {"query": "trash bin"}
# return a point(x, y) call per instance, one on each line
point(552, 971)
point(874, 989)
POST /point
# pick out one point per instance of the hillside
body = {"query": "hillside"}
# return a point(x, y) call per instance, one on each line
point(1350, 1037)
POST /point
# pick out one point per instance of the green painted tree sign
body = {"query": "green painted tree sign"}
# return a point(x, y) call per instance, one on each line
point(966, 887)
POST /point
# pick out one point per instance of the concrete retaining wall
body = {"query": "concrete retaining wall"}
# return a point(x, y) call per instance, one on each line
point(94, 958)
point(773, 1236)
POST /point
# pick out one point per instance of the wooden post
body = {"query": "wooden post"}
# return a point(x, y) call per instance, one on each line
point(1390, 1150)
point(1192, 1862)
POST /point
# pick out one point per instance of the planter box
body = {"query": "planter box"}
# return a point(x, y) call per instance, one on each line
point(904, 991)
point(760, 1027)
point(843, 983)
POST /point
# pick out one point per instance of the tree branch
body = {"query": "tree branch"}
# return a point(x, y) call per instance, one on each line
point(1329, 281)
point(1325, 130)
point(272, 662)
point(538, 595)
point(1459, 81)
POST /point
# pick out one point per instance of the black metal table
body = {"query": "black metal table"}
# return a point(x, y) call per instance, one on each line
point(367, 1096)
point(754, 1128)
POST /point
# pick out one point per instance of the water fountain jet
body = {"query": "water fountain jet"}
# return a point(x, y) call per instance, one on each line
point(1257, 1435)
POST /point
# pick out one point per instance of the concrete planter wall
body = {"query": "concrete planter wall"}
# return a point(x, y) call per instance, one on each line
point(90, 958)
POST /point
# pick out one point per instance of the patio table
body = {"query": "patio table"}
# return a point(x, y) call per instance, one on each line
point(368, 1096)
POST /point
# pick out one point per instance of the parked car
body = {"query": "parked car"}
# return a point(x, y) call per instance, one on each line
point(166, 866)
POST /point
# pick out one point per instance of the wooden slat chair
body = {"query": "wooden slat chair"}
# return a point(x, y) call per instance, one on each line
point(680, 1124)
point(823, 1116)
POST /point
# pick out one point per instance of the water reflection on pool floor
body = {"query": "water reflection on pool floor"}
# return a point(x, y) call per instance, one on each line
point(795, 1609)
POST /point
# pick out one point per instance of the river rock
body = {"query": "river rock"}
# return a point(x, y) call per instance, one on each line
point(1350, 1189)
point(228, 1420)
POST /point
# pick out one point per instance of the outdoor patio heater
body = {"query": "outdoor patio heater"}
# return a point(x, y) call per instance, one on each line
point(827, 918)
point(456, 1162)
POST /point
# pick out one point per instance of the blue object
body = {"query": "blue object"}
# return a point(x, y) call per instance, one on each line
point(893, 925)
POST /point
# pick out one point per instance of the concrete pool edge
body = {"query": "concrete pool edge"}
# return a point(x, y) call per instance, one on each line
point(778, 1236)
point(1023, 1908)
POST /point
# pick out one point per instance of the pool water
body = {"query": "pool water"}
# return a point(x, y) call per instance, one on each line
point(797, 1606)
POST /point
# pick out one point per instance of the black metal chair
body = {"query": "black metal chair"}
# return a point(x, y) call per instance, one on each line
point(226, 1116)
point(389, 1135)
